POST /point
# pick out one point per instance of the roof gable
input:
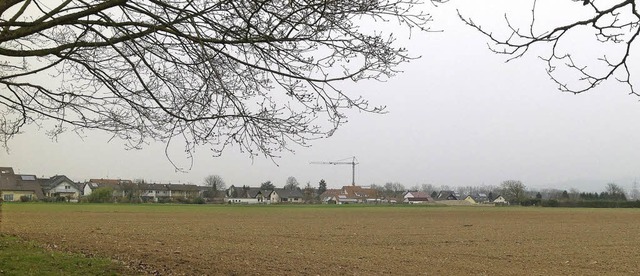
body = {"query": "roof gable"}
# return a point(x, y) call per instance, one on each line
point(54, 181)
point(448, 195)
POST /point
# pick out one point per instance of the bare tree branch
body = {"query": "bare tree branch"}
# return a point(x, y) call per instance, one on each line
point(616, 25)
point(255, 74)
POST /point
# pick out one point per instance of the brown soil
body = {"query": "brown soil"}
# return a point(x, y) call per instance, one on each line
point(223, 240)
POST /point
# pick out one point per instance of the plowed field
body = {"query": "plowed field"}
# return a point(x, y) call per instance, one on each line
point(337, 240)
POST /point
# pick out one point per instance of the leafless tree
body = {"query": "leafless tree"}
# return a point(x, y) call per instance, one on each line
point(253, 74)
point(309, 193)
point(634, 193)
point(574, 193)
point(291, 183)
point(609, 29)
point(552, 193)
point(445, 188)
point(427, 188)
point(615, 191)
point(513, 190)
point(216, 183)
point(393, 189)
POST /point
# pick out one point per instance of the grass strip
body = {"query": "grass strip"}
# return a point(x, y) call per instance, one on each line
point(18, 257)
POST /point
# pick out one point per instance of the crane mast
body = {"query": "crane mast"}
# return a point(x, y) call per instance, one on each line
point(353, 164)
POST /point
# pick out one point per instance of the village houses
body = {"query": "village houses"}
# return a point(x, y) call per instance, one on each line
point(28, 187)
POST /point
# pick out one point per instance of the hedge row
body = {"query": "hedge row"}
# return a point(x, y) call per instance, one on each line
point(591, 204)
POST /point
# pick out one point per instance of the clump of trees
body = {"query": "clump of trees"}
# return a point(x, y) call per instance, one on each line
point(101, 195)
point(513, 191)
point(216, 184)
point(612, 197)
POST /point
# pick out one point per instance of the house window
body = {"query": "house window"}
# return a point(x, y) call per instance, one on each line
point(8, 197)
point(284, 199)
point(67, 187)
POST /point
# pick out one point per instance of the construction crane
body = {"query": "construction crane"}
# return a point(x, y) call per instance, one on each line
point(353, 164)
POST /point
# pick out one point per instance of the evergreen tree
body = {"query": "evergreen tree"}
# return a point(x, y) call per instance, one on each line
point(267, 185)
point(322, 186)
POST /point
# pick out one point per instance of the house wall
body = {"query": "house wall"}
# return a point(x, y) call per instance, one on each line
point(500, 199)
point(183, 194)
point(6, 195)
point(263, 199)
point(87, 189)
point(275, 198)
point(296, 200)
point(153, 194)
point(176, 194)
point(241, 200)
point(62, 190)
point(162, 193)
point(192, 193)
point(470, 199)
point(148, 193)
point(406, 200)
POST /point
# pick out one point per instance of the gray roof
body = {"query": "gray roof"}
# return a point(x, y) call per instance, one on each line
point(54, 181)
point(9, 181)
point(152, 187)
point(254, 192)
point(286, 193)
point(184, 187)
point(444, 195)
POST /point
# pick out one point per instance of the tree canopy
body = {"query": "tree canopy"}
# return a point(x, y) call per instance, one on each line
point(253, 74)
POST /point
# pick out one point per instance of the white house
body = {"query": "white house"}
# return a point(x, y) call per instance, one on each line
point(500, 199)
point(286, 196)
point(61, 186)
point(415, 197)
point(248, 195)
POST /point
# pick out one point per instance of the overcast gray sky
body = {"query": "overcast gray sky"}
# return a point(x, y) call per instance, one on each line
point(458, 116)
